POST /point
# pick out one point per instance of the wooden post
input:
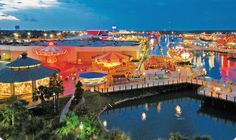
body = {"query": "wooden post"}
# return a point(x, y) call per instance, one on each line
point(107, 90)
point(137, 85)
point(131, 86)
point(113, 88)
point(234, 98)
point(102, 90)
point(125, 87)
point(226, 97)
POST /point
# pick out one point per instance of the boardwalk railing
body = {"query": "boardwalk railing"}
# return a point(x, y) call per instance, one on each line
point(151, 82)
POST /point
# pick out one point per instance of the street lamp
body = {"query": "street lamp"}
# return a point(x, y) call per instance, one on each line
point(45, 35)
point(54, 101)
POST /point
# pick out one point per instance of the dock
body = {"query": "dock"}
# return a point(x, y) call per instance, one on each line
point(150, 82)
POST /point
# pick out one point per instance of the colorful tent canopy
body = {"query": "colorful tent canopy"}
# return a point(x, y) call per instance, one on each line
point(113, 56)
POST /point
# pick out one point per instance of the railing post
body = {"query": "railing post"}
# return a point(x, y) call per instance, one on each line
point(147, 84)
point(137, 85)
point(218, 96)
point(125, 87)
point(107, 90)
point(131, 86)
point(113, 88)
point(153, 83)
point(226, 97)
point(119, 88)
point(204, 92)
point(234, 98)
point(102, 90)
point(168, 82)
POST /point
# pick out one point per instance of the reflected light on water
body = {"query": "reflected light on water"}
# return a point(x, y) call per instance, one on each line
point(144, 116)
point(159, 107)
point(146, 106)
point(178, 111)
point(104, 123)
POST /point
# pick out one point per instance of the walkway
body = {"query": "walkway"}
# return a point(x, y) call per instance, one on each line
point(65, 109)
point(196, 48)
point(204, 90)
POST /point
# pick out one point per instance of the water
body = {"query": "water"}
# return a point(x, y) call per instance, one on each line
point(170, 113)
point(216, 64)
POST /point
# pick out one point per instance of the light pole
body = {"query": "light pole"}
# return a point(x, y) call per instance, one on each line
point(54, 101)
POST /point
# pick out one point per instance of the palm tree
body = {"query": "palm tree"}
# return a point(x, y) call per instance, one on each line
point(56, 86)
point(13, 112)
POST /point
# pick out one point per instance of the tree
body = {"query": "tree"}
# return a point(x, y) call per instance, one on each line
point(42, 93)
point(56, 86)
point(13, 113)
point(84, 128)
point(78, 91)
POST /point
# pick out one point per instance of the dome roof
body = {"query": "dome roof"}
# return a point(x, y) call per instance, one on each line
point(92, 74)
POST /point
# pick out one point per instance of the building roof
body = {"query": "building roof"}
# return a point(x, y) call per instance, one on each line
point(89, 43)
point(17, 70)
point(113, 56)
point(23, 61)
point(10, 76)
point(92, 74)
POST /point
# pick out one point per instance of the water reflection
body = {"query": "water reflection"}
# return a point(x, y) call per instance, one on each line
point(146, 106)
point(217, 65)
point(173, 113)
point(144, 116)
point(159, 107)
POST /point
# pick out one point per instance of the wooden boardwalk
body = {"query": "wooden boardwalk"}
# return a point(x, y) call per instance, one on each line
point(151, 82)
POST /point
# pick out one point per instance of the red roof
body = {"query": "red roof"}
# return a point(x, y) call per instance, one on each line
point(113, 56)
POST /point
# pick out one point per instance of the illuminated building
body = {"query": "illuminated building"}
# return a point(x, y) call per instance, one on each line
point(51, 52)
point(77, 51)
point(112, 59)
point(22, 76)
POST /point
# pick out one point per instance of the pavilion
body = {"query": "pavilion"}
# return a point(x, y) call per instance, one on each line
point(22, 76)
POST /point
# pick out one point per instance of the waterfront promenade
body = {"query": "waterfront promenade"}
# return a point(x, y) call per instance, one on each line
point(205, 86)
point(213, 49)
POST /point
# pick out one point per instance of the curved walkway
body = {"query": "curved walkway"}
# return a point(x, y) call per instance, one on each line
point(65, 109)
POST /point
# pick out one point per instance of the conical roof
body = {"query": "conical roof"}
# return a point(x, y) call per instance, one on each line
point(23, 61)
point(10, 76)
point(25, 69)
point(113, 56)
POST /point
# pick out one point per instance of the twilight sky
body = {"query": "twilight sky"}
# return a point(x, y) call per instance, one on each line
point(126, 14)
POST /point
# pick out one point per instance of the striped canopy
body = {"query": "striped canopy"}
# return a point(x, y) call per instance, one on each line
point(113, 57)
point(50, 51)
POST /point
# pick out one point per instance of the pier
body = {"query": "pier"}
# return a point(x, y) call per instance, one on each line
point(203, 85)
